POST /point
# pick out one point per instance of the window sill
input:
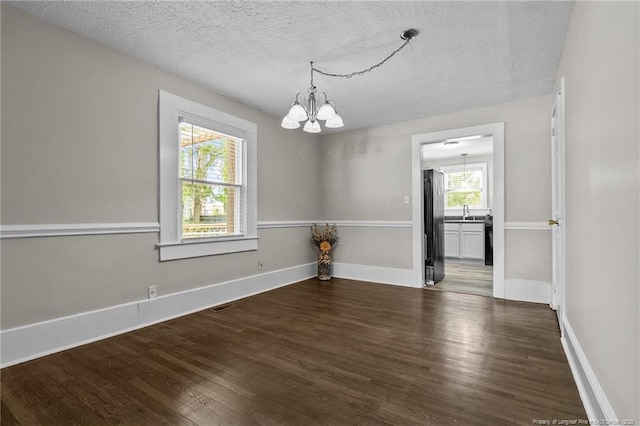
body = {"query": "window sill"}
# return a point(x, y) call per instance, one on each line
point(189, 249)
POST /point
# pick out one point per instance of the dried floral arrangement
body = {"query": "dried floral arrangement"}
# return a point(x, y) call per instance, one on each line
point(325, 238)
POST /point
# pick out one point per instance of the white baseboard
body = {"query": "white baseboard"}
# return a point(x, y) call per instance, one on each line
point(591, 393)
point(32, 341)
point(527, 290)
point(376, 274)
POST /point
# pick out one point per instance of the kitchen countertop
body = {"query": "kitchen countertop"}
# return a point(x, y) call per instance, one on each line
point(469, 219)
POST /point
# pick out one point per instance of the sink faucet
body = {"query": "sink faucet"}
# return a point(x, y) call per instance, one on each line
point(465, 212)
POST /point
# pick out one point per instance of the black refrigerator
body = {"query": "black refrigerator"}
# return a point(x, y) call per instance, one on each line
point(433, 187)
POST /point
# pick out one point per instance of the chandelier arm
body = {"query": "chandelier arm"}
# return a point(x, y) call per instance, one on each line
point(371, 68)
point(304, 101)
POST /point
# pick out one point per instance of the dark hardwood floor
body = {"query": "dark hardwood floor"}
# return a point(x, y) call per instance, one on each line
point(332, 353)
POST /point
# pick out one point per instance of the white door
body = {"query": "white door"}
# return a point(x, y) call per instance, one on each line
point(557, 220)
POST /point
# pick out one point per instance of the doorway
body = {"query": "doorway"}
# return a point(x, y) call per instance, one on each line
point(465, 233)
point(465, 166)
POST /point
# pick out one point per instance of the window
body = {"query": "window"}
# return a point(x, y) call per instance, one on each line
point(465, 185)
point(207, 180)
point(211, 178)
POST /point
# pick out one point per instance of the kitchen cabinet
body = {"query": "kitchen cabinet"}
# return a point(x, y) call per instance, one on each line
point(451, 240)
point(464, 241)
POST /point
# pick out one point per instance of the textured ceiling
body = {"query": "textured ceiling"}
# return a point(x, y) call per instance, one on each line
point(468, 54)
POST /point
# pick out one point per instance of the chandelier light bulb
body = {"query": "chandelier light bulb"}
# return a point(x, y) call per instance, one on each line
point(335, 122)
point(288, 123)
point(326, 111)
point(312, 127)
point(297, 112)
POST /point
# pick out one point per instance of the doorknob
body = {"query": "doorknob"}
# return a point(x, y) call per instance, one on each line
point(553, 222)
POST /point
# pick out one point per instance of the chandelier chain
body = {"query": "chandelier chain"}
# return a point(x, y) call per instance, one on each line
point(371, 68)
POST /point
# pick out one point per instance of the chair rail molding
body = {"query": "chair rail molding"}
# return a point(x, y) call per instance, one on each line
point(339, 223)
point(528, 226)
point(71, 229)
point(78, 229)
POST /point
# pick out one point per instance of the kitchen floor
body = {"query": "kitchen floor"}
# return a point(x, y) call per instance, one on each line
point(466, 278)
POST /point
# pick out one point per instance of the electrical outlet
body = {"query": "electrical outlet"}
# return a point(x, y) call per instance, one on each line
point(259, 266)
point(152, 292)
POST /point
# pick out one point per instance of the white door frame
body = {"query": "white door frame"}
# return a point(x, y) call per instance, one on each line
point(497, 131)
point(558, 256)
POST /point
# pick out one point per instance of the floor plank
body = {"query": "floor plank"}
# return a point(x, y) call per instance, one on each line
point(337, 352)
point(464, 277)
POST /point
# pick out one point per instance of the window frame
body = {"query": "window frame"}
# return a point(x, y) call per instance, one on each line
point(457, 168)
point(240, 165)
point(171, 110)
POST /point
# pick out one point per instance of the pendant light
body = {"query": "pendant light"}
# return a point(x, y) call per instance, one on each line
point(464, 170)
point(309, 109)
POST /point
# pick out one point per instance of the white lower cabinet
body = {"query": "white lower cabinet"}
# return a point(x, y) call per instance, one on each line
point(464, 241)
point(451, 240)
point(471, 244)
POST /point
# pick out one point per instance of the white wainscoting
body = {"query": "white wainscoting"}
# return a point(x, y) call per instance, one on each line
point(376, 274)
point(527, 290)
point(591, 393)
point(36, 340)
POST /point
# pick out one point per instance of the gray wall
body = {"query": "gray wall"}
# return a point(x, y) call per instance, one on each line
point(368, 172)
point(600, 63)
point(79, 145)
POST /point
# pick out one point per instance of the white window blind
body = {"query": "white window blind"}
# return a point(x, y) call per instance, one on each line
point(211, 182)
point(465, 185)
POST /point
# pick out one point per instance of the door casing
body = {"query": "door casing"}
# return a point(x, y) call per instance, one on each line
point(558, 205)
point(497, 131)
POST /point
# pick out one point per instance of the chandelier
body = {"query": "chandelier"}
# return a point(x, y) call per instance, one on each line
point(313, 109)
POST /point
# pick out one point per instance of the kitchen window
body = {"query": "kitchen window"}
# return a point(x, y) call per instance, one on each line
point(465, 185)
point(207, 180)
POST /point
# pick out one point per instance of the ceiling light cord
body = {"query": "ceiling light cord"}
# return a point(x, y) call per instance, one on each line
point(371, 68)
